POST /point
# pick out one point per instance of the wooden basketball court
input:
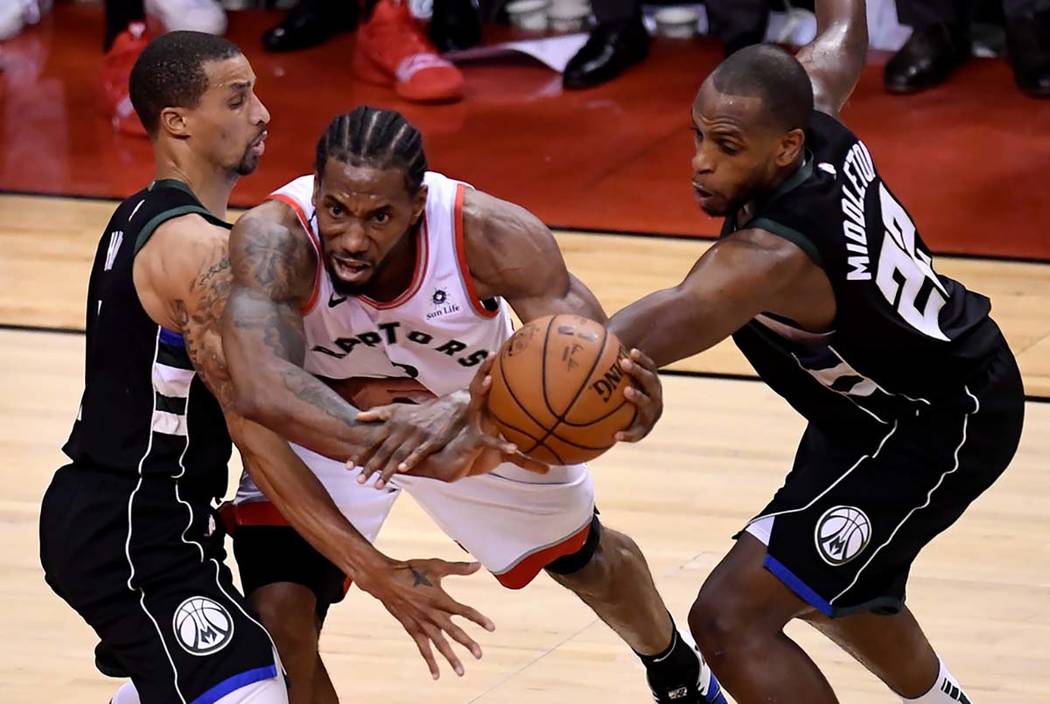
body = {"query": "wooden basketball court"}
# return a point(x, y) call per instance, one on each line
point(982, 590)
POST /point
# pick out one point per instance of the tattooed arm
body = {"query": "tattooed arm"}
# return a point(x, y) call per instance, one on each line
point(273, 276)
point(183, 278)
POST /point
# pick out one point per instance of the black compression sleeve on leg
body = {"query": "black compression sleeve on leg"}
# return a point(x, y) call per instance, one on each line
point(567, 564)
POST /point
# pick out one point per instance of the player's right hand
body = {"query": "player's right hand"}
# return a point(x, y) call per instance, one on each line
point(478, 448)
point(411, 591)
point(447, 439)
point(405, 434)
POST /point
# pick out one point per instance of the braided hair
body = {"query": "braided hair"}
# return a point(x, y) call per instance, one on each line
point(376, 138)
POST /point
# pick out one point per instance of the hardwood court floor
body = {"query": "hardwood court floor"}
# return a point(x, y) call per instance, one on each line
point(48, 244)
point(982, 590)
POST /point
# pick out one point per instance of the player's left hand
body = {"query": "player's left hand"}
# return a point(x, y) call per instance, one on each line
point(646, 394)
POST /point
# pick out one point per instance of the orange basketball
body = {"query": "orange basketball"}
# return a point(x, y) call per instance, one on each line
point(557, 390)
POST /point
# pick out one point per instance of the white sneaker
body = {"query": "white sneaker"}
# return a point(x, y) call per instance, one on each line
point(12, 19)
point(16, 14)
point(192, 15)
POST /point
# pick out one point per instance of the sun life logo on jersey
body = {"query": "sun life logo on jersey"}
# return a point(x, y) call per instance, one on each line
point(842, 533)
point(440, 299)
point(202, 626)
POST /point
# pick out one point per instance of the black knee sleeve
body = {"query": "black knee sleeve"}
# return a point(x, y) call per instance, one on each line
point(567, 564)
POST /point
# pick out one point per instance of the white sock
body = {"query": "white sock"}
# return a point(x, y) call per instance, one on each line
point(127, 694)
point(945, 690)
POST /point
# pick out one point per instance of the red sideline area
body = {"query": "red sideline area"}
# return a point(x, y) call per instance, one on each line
point(970, 159)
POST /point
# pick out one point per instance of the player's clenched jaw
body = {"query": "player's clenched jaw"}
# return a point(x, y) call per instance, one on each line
point(737, 155)
point(365, 216)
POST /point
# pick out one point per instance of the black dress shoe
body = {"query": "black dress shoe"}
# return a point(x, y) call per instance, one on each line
point(310, 23)
point(927, 58)
point(1028, 43)
point(455, 24)
point(611, 49)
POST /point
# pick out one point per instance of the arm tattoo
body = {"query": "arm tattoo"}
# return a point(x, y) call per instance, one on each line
point(419, 579)
point(307, 388)
point(199, 322)
point(273, 271)
point(273, 259)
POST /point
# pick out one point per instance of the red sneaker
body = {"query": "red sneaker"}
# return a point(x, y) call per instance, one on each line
point(115, 73)
point(392, 50)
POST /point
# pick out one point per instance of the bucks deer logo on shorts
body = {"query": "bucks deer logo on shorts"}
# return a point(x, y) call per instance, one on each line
point(202, 626)
point(842, 533)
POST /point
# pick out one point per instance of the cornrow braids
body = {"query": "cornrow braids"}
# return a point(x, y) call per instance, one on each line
point(377, 138)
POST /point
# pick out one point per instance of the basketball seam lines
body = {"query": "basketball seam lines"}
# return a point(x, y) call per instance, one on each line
point(929, 495)
point(559, 418)
point(510, 390)
point(529, 435)
point(554, 435)
point(127, 544)
point(543, 369)
point(596, 420)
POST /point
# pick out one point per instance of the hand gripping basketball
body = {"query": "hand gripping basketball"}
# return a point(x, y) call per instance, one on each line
point(448, 438)
point(647, 395)
point(565, 391)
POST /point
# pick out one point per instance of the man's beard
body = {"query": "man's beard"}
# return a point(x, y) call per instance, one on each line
point(752, 192)
point(249, 162)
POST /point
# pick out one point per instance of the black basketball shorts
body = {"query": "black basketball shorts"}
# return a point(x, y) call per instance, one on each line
point(855, 511)
point(270, 554)
point(143, 565)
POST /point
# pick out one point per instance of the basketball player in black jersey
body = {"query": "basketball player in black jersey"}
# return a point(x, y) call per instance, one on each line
point(128, 535)
point(913, 398)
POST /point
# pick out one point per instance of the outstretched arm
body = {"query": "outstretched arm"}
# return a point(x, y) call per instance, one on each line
point(264, 342)
point(183, 279)
point(835, 58)
point(735, 280)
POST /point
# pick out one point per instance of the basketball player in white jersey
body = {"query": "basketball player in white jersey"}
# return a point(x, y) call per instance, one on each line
point(128, 535)
point(376, 267)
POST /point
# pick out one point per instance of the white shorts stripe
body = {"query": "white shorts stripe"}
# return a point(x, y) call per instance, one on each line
point(929, 496)
point(127, 544)
point(838, 481)
point(172, 381)
point(169, 423)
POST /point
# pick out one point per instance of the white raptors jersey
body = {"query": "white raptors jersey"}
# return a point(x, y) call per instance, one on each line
point(436, 331)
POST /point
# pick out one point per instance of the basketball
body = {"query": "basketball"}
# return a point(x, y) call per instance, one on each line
point(557, 390)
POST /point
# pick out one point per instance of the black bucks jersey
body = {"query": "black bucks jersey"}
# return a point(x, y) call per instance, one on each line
point(144, 410)
point(128, 536)
point(904, 335)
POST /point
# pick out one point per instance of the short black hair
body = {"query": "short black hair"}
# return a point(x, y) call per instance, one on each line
point(377, 138)
point(768, 72)
point(170, 73)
